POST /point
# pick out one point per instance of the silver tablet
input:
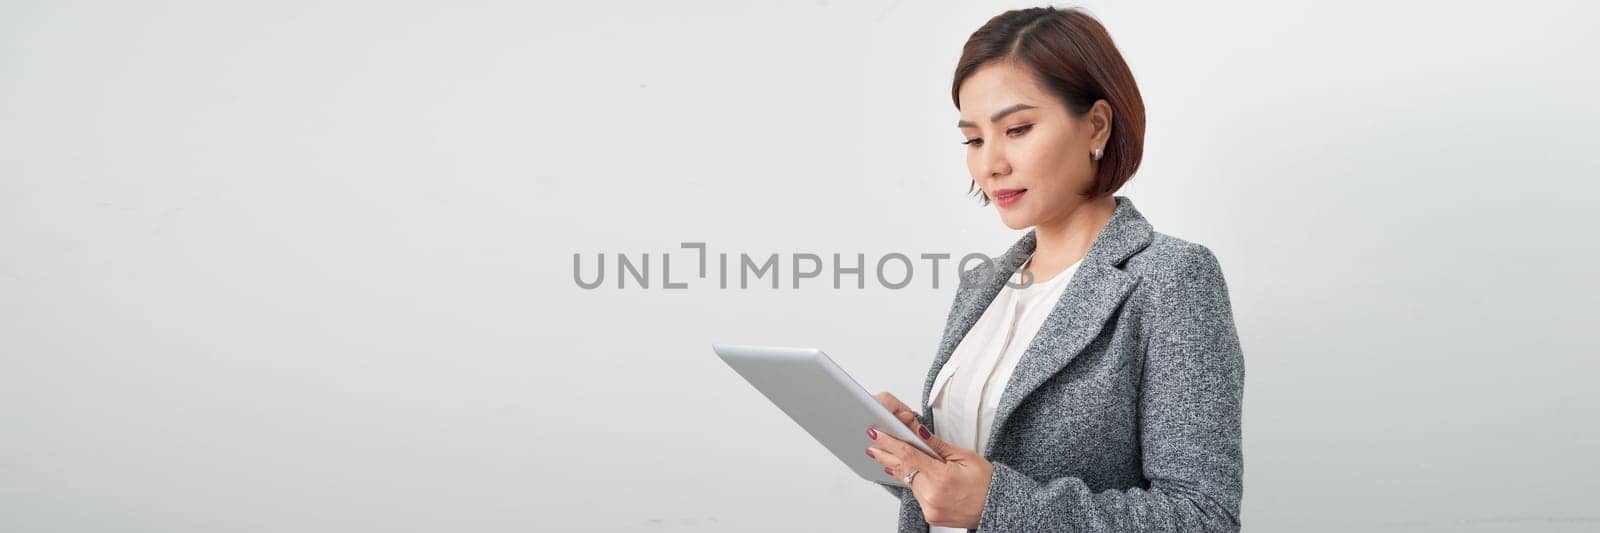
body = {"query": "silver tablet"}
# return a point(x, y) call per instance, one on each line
point(823, 399)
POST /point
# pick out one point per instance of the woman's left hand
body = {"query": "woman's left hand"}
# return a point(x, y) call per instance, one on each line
point(952, 492)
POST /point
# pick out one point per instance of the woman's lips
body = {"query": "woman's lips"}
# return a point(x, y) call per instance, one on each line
point(1005, 197)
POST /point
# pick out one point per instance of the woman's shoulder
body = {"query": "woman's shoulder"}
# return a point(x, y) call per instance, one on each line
point(1167, 253)
point(1173, 262)
point(1166, 259)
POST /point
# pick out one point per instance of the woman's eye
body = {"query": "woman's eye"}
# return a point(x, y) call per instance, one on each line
point(977, 141)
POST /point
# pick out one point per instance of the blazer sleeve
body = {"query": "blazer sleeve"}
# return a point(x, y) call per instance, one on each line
point(1190, 410)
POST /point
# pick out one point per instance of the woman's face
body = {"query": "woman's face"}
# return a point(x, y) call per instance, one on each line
point(1033, 144)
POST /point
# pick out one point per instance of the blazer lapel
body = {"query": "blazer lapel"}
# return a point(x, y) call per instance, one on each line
point(1091, 296)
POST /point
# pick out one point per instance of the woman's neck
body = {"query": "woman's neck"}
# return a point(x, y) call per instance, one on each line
point(1062, 241)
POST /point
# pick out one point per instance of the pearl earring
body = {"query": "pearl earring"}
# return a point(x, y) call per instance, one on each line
point(1097, 153)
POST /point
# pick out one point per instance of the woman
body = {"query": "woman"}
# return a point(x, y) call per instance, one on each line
point(1106, 396)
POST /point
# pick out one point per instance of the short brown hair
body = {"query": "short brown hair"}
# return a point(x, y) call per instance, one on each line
point(1073, 57)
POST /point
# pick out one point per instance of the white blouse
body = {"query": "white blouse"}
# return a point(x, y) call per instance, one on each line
point(968, 387)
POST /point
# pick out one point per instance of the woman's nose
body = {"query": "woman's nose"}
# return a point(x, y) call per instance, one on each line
point(995, 162)
point(998, 167)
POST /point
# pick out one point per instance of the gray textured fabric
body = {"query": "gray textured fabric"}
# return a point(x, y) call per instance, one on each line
point(1123, 413)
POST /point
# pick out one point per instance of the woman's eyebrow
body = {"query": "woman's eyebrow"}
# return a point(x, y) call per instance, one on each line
point(997, 116)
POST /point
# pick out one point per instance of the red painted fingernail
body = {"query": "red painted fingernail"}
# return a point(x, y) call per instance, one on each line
point(872, 434)
point(886, 470)
point(869, 453)
point(923, 430)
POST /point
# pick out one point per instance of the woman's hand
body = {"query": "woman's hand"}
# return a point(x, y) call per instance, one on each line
point(898, 409)
point(952, 491)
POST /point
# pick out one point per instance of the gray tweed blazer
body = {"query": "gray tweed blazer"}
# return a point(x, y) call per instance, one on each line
point(1123, 413)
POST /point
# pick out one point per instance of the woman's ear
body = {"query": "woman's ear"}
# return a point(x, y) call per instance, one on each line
point(1099, 123)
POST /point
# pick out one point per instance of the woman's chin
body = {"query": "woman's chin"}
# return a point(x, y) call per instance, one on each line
point(1014, 220)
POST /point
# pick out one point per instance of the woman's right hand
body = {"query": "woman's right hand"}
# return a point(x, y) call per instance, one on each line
point(899, 410)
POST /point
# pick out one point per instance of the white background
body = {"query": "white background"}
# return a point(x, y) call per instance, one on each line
point(279, 267)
